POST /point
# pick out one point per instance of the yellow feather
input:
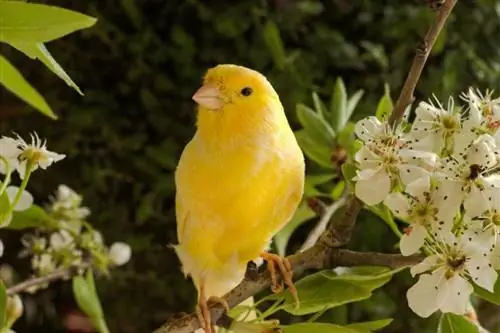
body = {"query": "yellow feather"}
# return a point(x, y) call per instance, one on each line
point(238, 182)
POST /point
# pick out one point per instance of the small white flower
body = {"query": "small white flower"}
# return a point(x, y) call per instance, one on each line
point(120, 253)
point(435, 128)
point(384, 163)
point(35, 152)
point(484, 116)
point(14, 308)
point(43, 264)
point(10, 151)
point(428, 211)
point(466, 175)
point(61, 240)
point(67, 203)
point(445, 283)
point(1, 248)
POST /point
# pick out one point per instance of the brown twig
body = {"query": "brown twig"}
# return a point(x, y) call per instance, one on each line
point(421, 55)
point(320, 228)
point(41, 280)
point(325, 253)
point(316, 257)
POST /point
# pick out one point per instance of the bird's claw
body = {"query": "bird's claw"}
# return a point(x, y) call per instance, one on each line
point(205, 316)
point(275, 262)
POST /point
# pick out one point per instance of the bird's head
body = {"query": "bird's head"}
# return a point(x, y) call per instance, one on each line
point(235, 99)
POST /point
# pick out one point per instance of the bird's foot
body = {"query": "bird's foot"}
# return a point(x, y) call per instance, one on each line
point(203, 312)
point(283, 265)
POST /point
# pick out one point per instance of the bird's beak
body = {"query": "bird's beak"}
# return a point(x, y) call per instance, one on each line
point(209, 96)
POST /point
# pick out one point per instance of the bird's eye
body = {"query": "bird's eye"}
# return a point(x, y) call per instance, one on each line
point(247, 91)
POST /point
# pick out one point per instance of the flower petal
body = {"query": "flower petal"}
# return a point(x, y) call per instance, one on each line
point(25, 201)
point(398, 204)
point(422, 296)
point(453, 294)
point(410, 173)
point(375, 189)
point(481, 273)
point(419, 187)
point(425, 265)
point(412, 240)
point(368, 127)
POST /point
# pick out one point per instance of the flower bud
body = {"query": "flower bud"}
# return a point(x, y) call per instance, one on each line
point(14, 309)
point(120, 253)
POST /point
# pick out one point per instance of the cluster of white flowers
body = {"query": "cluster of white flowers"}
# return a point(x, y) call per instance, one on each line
point(17, 154)
point(440, 176)
point(74, 240)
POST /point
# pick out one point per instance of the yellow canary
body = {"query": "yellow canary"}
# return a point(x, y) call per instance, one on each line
point(238, 182)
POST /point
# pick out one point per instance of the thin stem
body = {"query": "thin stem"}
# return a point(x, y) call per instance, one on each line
point(8, 173)
point(41, 280)
point(22, 187)
point(322, 224)
point(423, 51)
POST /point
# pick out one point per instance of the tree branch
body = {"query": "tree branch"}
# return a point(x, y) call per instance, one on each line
point(320, 228)
point(316, 257)
point(421, 55)
point(41, 280)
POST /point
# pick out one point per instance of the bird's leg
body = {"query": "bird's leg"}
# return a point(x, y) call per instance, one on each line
point(274, 261)
point(203, 309)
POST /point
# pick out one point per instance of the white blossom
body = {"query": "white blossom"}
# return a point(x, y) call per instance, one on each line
point(384, 163)
point(35, 152)
point(435, 128)
point(444, 283)
point(120, 253)
point(467, 175)
point(10, 151)
point(61, 239)
point(43, 264)
point(428, 211)
point(67, 204)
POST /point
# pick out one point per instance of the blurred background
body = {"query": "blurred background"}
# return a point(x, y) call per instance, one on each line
point(138, 67)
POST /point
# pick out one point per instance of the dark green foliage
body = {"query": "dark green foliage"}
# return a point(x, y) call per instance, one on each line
point(138, 67)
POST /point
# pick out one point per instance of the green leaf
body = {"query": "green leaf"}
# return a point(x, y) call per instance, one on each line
point(338, 105)
point(349, 172)
point(325, 289)
point(385, 104)
point(315, 152)
point(319, 106)
point(452, 323)
point(3, 304)
point(369, 326)
point(30, 22)
point(315, 126)
point(275, 44)
point(302, 214)
point(338, 190)
point(33, 217)
point(353, 102)
point(492, 297)
point(317, 328)
point(88, 300)
point(385, 214)
point(312, 181)
point(40, 52)
point(14, 81)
